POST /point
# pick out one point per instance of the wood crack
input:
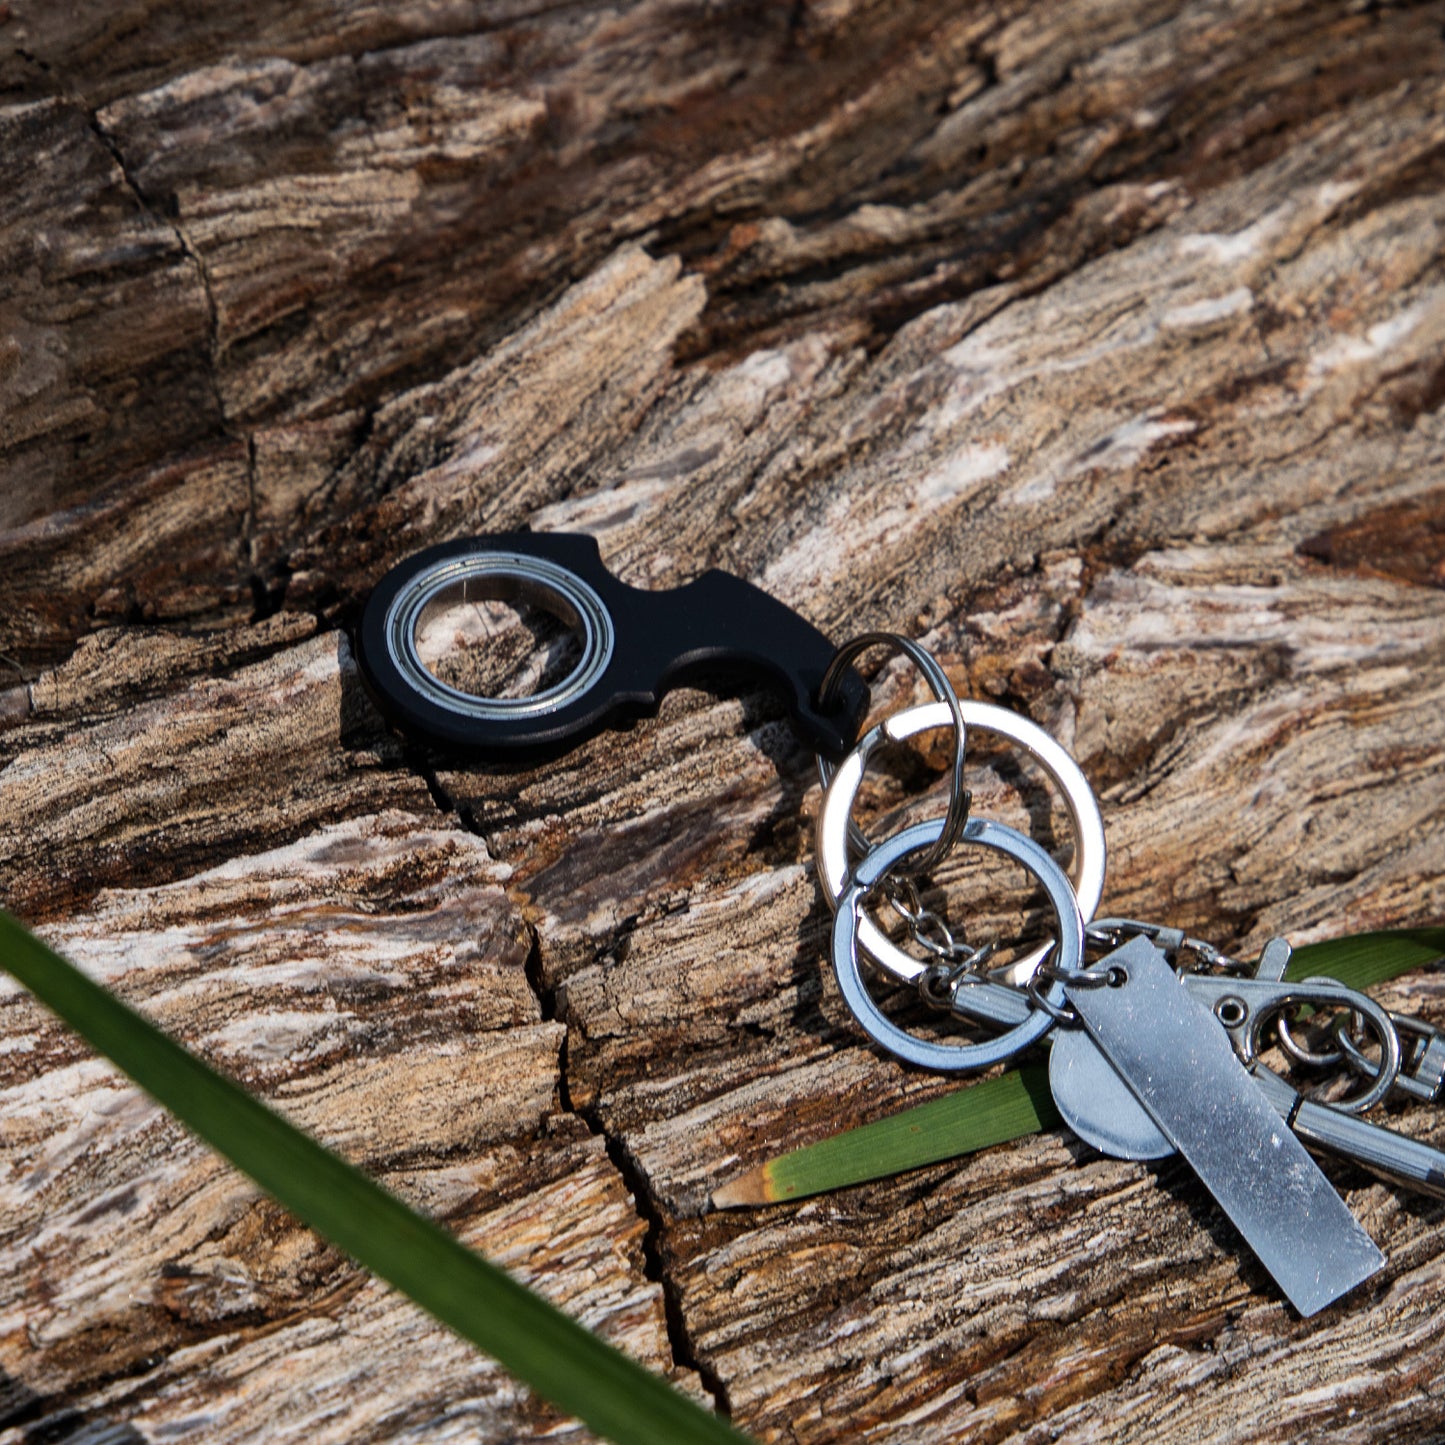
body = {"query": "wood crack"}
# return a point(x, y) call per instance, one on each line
point(244, 437)
point(685, 1353)
point(685, 1356)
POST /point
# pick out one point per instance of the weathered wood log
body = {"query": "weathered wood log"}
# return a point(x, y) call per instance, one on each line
point(1097, 344)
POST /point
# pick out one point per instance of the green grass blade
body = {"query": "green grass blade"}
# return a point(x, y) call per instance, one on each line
point(536, 1342)
point(1364, 960)
point(993, 1112)
point(1019, 1103)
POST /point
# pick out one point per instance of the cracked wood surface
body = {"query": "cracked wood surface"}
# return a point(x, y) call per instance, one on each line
point(1097, 344)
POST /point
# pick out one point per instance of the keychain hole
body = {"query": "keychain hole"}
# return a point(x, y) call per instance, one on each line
point(499, 637)
point(1231, 1012)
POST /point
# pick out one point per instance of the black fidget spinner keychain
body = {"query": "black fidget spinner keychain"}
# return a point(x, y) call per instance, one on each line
point(636, 645)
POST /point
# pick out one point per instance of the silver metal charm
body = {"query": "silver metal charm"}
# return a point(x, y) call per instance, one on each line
point(1097, 1104)
point(1167, 1048)
point(1101, 1109)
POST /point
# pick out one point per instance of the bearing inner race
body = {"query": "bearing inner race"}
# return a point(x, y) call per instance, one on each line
point(500, 577)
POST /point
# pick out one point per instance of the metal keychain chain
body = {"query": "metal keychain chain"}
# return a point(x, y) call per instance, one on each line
point(1155, 1045)
point(953, 964)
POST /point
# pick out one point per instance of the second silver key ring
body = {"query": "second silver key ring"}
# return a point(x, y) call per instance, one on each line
point(954, 1058)
point(1086, 873)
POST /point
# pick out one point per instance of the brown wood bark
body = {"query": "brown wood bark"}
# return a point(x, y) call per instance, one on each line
point(1100, 344)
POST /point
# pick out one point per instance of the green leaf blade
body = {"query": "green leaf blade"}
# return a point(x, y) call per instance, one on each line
point(993, 1112)
point(1365, 960)
point(536, 1342)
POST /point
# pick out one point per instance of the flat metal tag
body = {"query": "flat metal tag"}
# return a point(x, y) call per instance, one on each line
point(1177, 1060)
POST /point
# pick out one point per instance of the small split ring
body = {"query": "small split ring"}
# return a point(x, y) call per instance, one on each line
point(958, 797)
point(951, 1058)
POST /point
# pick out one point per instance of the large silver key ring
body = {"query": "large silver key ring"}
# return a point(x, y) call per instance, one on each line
point(1087, 871)
point(953, 1058)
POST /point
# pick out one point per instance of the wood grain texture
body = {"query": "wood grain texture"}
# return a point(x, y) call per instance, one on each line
point(1100, 345)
